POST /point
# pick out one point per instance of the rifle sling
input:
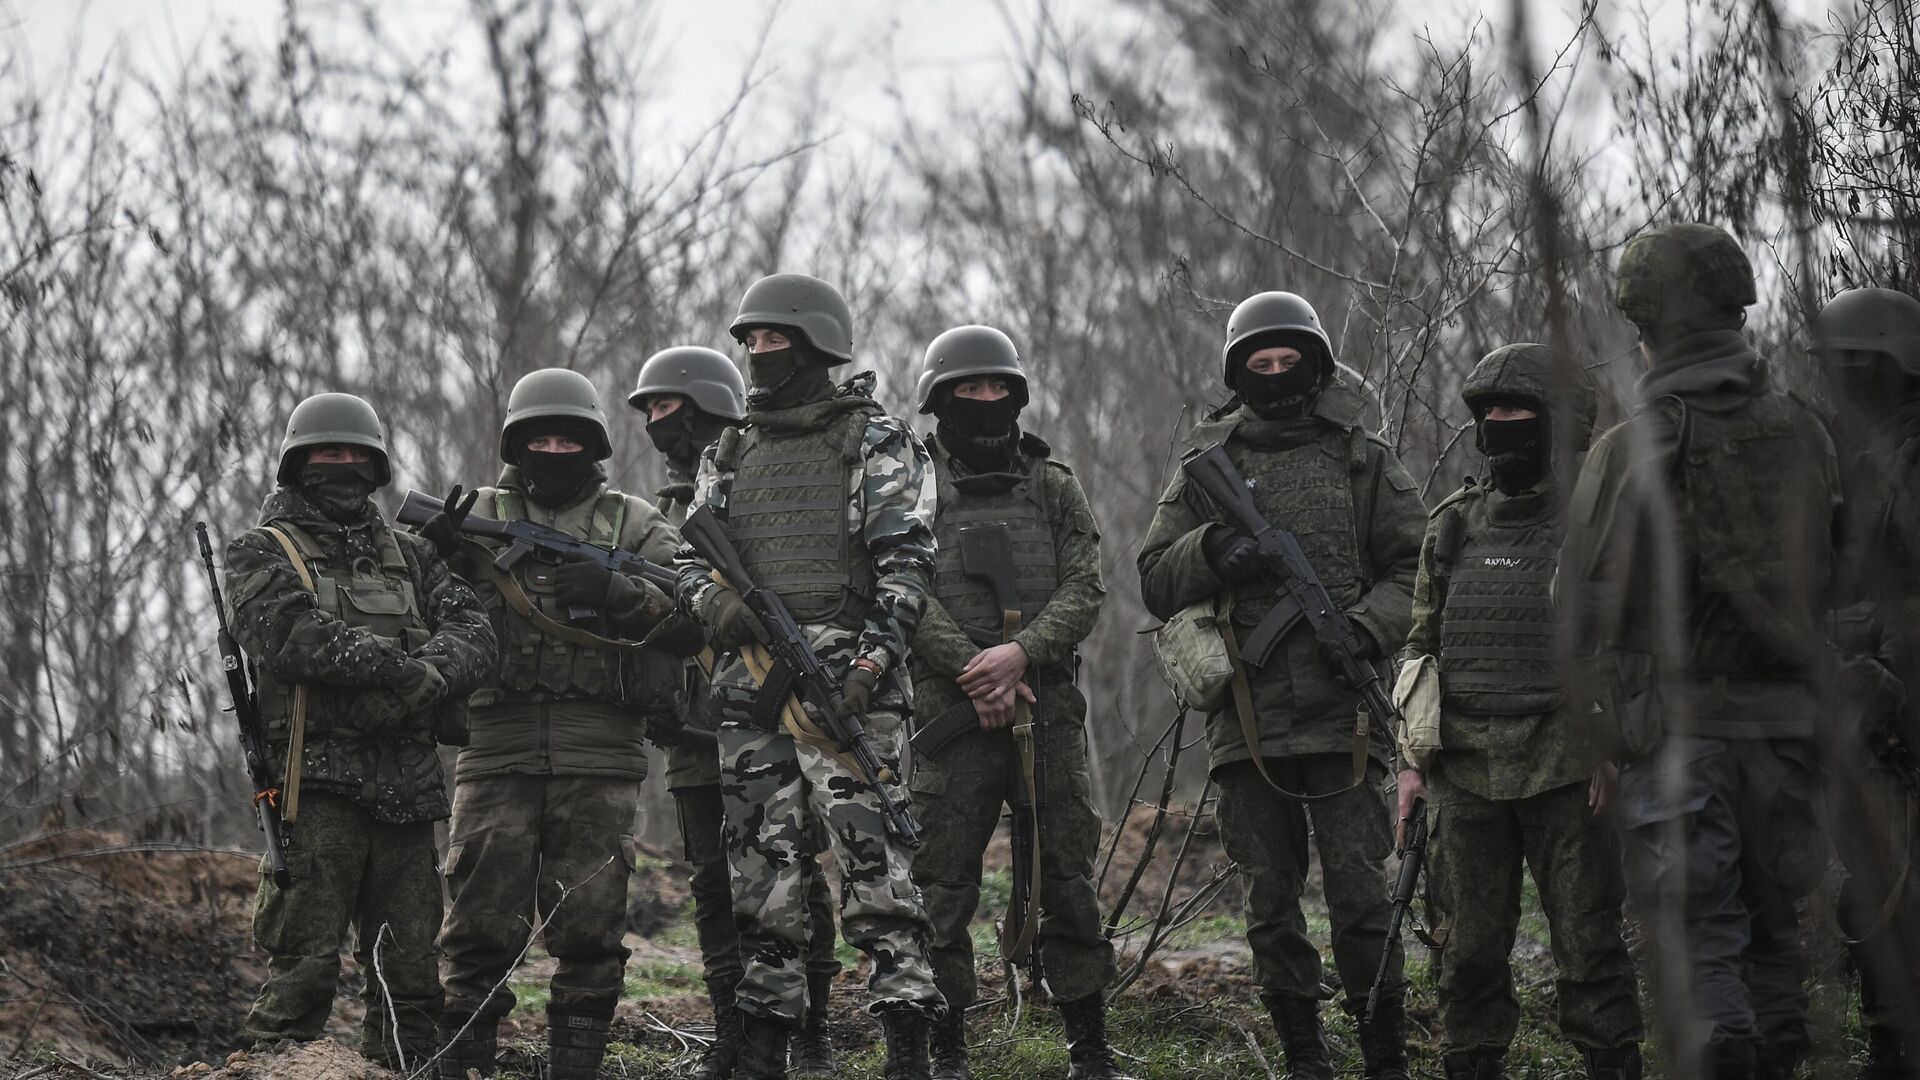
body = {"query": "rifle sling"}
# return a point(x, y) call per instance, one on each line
point(297, 722)
point(523, 606)
point(1250, 730)
point(1020, 949)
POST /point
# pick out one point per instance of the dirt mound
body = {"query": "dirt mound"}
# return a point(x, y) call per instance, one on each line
point(320, 1060)
point(122, 955)
point(1203, 862)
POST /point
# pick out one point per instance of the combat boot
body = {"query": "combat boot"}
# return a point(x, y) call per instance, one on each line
point(1088, 1055)
point(1383, 1041)
point(1297, 1021)
point(722, 1055)
point(763, 1047)
point(811, 1051)
point(471, 1048)
point(1474, 1065)
point(906, 1033)
point(576, 1042)
point(947, 1047)
point(1620, 1063)
point(1891, 1055)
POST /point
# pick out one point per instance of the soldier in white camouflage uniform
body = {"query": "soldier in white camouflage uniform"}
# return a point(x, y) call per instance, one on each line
point(830, 502)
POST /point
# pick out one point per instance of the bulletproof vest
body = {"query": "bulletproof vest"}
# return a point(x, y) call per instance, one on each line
point(977, 501)
point(377, 596)
point(1497, 628)
point(1304, 485)
point(787, 509)
point(1756, 508)
point(531, 660)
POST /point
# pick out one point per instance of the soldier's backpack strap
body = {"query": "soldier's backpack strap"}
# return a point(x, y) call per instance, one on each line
point(297, 721)
point(1242, 705)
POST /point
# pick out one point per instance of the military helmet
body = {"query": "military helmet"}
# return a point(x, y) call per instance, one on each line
point(1870, 320)
point(968, 351)
point(332, 420)
point(1682, 275)
point(706, 377)
point(1270, 312)
point(1527, 371)
point(552, 393)
point(798, 302)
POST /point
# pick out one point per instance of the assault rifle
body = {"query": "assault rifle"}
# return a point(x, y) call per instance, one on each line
point(796, 667)
point(1412, 858)
point(1305, 597)
point(932, 737)
point(261, 771)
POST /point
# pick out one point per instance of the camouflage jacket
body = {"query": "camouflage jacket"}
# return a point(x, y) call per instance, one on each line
point(392, 769)
point(1051, 641)
point(1300, 710)
point(1880, 586)
point(690, 764)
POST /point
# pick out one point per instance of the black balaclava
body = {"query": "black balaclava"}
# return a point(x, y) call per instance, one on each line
point(340, 490)
point(1291, 392)
point(557, 479)
point(1517, 450)
point(982, 434)
point(784, 378)
point(683, 434)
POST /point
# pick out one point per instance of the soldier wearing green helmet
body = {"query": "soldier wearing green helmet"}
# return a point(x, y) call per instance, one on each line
point(991, 472)
point(1697, 579)
point(690, 394)
point(363, 638)
point(1868, 340)
point(548, 785)
point(830, 502)
point(1512, 781)
point(1296, 432)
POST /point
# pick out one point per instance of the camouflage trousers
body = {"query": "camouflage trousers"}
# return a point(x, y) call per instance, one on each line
point(1265, 834)
point(1874, 832)
point(958, 799)
point(774, 788)
point(702, 828)
point(1575, 862)
point(379, 879)
point(525, 849)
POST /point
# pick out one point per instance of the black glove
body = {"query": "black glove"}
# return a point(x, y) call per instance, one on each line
point(1231, 554)
point(583, 584)
point(1366, 652)
point(730, 622)
point(856, 691)
point(443, 528)
point(420, 686)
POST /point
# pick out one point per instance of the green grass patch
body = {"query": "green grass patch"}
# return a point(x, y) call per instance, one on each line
point(662, 979)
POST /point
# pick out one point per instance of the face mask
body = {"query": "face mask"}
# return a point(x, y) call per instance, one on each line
point(340, 490)
point(683, 434)
point(554, 479)
point(1286, 393)
point(984, 422)
point(1516, 452)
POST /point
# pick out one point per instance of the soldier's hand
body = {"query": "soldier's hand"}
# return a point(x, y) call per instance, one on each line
point(585, 584)
point(1365, 651)
point(1231, 554)
point(993, 670)
point(443, 528)
point(996, 710)
point(856, 691)
point(421, 686)
point(1413, 788)
point(1606, 778)
point(730, 621)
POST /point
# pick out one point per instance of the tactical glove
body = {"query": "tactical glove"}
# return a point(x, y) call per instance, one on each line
point(1366, 652)
point(443, 528)
point(421, 687)
point(856, 692)
point(1231, 554)
point(730, 621)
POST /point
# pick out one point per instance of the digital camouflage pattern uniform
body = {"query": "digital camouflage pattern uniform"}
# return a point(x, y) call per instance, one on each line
point(1511, 778)
point(362, 852)
point(1360, 521)
point(959, 794)
point(831, 503)
point(548, 785)
point(1697, 572)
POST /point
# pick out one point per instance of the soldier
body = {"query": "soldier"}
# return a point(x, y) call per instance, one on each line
point(1513, 780)
point(831, 505)
point(548, 785)
point(362, 637)
point(1294, 430)
point(990, 472)
point(1697, 576)
point(690, 395)
point(1869, 341)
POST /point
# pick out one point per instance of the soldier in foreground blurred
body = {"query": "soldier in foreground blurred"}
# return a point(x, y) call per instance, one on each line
point(995, 476)
point(1294, 430)
point(1869, 342)
point(1512, 776)
point(363, 638)
point(1698, 577)
point(829, 503)
point(690, 395)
